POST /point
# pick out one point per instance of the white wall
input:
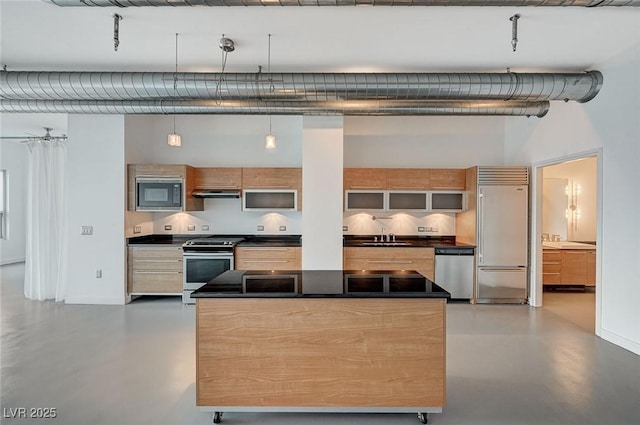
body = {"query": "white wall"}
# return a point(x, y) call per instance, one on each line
point(95, 189)
point(13, 159)
point(322, 187)
point(612, 122)
point(423, 142)
point(215, 141)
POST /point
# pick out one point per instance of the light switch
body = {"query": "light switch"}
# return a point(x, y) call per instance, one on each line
point(204, 227)
point(137, 229)
point(191, 228)
point(345, 228)
point(167, 227)
point(86, 230)
point(421, 229)
point(282, 228)
point(260, 228)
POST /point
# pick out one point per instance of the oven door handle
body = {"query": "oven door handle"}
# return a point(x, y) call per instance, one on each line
point(207, 254)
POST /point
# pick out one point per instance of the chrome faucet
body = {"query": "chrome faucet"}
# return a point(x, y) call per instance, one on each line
point(383, 237)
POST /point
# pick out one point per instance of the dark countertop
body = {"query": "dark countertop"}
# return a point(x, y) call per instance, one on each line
point(321, 284)
point(413, 241)
point(250, 240)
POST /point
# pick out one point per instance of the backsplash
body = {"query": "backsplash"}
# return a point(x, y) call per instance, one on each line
point(405, 224)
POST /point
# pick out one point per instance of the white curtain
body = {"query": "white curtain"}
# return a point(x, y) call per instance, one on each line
point(44, 268)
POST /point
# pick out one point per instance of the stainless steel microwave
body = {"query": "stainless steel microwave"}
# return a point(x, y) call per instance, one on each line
point(159, 194)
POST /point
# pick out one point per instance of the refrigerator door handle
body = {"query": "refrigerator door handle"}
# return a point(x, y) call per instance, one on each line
point(481, 226)
point(504, 269)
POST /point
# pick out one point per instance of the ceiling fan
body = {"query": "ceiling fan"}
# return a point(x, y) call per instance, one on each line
point(46, 138)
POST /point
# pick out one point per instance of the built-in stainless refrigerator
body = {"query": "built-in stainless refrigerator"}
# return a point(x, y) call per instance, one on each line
point(502, 235)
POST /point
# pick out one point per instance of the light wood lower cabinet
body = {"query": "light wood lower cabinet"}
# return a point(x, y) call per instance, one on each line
point(568, 267)
point(155, 270)
point(383, 258)
point(268, 258)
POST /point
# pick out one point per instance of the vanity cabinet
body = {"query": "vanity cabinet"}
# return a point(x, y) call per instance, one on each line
point(390, 258)
point(155, 270)
point(268, 258)
point(568, 266)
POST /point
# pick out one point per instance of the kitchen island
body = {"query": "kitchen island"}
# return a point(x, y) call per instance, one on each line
point(321, 341)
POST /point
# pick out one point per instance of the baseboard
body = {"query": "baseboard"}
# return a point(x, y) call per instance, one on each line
point(95, 300)
point(8, 261)
point(620, 341)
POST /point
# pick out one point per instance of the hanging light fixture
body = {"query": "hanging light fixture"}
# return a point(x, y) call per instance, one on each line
point(270, 140)
point(174, 139)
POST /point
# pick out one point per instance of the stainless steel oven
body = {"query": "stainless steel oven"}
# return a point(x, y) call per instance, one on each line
point(204, 259)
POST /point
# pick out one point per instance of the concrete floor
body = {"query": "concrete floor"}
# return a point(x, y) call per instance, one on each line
point(134, 364)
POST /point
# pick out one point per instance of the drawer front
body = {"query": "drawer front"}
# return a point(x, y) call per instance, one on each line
point(157, 264)
point(384, 253)
point(146, 281)
point(267, 264)
point(551, 256)
point(173, 252)
point(388, 264)
point(266, 253)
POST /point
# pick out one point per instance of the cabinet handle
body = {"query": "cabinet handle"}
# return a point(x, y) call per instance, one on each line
point(265, 261)
point(551, 273)
point(390, 261)
point(265, 249)
point(155, 272)
point(551, 262)
point(157, 261)
point(366, 187)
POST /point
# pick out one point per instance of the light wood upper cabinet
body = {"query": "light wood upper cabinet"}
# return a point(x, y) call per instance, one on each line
point(159, 170)
point(219, 178)
point(271, 178)
point(447, 179)
point(408, 178)
point(365, 178)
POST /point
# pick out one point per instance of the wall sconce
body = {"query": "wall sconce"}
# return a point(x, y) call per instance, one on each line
point(572, 213)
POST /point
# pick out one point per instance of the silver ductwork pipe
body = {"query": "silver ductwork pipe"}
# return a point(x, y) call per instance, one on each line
point(306, 87)
point(251, 107)
point(511, 3)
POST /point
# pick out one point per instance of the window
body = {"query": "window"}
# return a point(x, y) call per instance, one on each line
point(3, 204)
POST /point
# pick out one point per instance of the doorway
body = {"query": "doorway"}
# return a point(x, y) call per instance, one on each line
point(565, 235)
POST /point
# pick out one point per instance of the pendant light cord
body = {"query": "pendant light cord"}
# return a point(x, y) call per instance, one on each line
point(271, 87)
point(175, 85)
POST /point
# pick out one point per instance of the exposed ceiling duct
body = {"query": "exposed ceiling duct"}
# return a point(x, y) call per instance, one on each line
point(511, 3)
point(580, 87)
point(293, 94)
point(251, 107)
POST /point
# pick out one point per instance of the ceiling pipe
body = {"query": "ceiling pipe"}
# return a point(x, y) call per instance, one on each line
point(307, 87)
point(253, 107)
point(511, 3)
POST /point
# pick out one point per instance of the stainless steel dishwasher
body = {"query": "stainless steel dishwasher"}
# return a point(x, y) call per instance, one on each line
point(454, 270)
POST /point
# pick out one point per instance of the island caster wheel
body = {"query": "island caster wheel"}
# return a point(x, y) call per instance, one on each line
point(424, 417)
point(217, 417)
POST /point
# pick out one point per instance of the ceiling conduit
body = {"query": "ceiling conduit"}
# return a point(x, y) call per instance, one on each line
point(242, 107)
point(512, 3)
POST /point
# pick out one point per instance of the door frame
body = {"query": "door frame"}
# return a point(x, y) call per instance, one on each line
point(536, 289)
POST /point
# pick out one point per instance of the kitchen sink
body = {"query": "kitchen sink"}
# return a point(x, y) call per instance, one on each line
point(386, 243)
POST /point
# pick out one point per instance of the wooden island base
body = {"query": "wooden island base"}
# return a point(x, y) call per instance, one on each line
point(321, 354)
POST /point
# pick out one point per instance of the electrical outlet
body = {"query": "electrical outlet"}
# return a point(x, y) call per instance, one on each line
point(137, 229)
point(434, 229)
point(191, 228)
point(86, 230)
point(421, 229)
point(345, 228)
point(204, 227)
point(167, 227)
point(427, 229)
point(282, 228)
point(99, 274)
point(260, 228)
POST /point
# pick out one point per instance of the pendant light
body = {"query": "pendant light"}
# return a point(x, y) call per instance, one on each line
point(270, 140)
point(174, 139)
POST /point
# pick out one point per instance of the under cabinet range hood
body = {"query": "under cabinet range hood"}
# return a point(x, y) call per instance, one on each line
point(216, 193)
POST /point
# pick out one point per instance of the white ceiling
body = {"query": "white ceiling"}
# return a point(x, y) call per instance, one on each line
point(36, 35)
